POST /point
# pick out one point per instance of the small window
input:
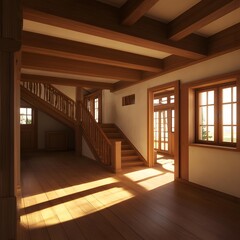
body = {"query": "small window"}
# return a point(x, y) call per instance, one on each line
point(217, 115)
point(128, 100)
point(25, 116)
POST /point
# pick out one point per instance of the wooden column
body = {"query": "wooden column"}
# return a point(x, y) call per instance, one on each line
point(78, 131)
point(10, 35)
point(116, 156)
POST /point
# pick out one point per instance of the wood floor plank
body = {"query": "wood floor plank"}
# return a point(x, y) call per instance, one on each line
point(71, 198)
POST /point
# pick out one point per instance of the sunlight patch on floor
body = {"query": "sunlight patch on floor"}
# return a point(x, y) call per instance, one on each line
point(166, 162)
point(62, 192)
point(42, 212)
point(150, 178)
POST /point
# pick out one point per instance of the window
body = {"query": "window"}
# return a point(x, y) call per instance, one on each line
point(93, 103)
point(96, 109)
point(25, 116)
point(128, 100)
point(217, 115)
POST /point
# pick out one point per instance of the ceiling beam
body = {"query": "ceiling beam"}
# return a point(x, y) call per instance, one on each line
point(221, 43)
point(104, 23)
point(65, 81)
point(201, 14)
point(133, 10)
point(52, 46)
point(62, 65)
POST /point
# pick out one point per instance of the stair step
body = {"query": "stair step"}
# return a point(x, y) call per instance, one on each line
point(128, 152)
point(126, 164)
point(110, 130)
point(114, 135)
point(126, 147)
point(130, 158)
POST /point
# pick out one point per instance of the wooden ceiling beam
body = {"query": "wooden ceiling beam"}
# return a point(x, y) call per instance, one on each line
point(133, 10)
point(65, 81)
point(221, 43)
point(62, 65)
point(201, 14)
point(57, 47)
point(104, 23)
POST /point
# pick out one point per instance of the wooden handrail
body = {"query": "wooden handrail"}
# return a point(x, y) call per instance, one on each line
point(53, 96)
point(104, 148)
point(101, 143)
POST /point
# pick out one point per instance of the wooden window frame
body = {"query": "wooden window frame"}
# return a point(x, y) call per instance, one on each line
point(218, 103)
point(91, 97)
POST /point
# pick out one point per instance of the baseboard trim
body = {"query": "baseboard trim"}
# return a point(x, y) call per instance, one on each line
point(216, 192)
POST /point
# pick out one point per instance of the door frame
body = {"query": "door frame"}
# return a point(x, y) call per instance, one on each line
point(176, 88)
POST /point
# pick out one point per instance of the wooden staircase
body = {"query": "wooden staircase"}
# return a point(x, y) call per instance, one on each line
point(103, 139)
point(130, 157)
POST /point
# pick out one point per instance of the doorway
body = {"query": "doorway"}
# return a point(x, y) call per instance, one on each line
point(163, 124)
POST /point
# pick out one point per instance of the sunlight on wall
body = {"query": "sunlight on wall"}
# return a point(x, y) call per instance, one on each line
point(150, 178)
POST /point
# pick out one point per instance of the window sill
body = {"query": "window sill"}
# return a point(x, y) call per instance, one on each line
point(214, 147)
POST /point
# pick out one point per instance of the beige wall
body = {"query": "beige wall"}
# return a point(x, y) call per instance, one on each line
point(216, 169)
point(47, 123)
point(132, 119)
point(67, 90)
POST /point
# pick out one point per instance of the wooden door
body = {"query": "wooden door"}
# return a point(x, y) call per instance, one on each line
point(28, 129)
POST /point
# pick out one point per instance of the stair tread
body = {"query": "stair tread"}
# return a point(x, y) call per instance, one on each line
point(129, 158)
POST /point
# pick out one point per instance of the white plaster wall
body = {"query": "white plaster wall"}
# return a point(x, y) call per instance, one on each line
point(216, 169)
point(47, 123)
point(107, 106)
point(67, 90)
point(86, 150)
point(132, 119)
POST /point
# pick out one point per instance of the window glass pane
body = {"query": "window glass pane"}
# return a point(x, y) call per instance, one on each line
point(29, 120)
point(211, 115)
point(234, 94)
point(29, 111)
point(203, 133)
point(235, 134)
point(23, 119)
point(166, 146)
point(23, 111)
point(164, 100)
point(203, 116)
point(227, 95)
point(210, 97)
point(227, 134)
point(227, 114)
point(211, 133)
point(172, 99)
point(203, 98)
point(156, 101)
point(162, 146)
point(234, 114)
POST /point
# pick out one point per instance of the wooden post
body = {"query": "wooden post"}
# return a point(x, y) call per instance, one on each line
point(78, 130)
point(10, 35)
point(116, 156)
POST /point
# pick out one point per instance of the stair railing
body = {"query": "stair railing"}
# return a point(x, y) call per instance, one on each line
point(108, 153)
point(53, 96)
point(101, 143)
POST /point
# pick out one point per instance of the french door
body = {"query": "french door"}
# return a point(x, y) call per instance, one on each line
point(164, 130)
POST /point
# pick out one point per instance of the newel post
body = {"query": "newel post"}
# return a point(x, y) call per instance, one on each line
point(116, 156)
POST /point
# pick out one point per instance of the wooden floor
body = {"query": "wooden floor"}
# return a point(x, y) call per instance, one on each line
point(69, 198)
